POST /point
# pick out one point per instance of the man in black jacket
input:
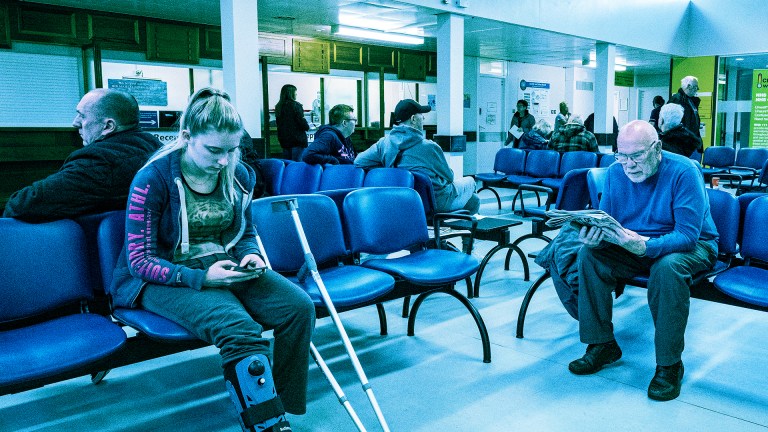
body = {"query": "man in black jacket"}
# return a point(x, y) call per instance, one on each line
point(332, 144)
point(686, 97)
point(95, 178)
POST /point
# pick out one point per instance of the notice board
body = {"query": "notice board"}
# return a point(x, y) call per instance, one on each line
point(146, 91)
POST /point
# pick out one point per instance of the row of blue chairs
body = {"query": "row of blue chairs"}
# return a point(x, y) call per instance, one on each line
point(746, 164)
point(513, 168)
point(56, 321)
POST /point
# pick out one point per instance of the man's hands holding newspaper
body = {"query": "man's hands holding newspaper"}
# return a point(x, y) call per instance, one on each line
point(598, 226)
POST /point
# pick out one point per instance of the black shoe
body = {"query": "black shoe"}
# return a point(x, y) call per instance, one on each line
point(666, 384)
point(596, 357)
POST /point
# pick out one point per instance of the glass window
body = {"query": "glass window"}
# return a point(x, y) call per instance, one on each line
point(394, 92)
point(734, 105)
point(208, 78)
point(307, 91)
point(342, 90)
point(163, 88)
point(492, 67)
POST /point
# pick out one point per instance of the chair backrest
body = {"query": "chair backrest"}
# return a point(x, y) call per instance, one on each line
point(725, 211)
point(273, 174)
point(606, 160)
point(596, 183)
point(573, 193)
point(719, 157)
point(395, 177)
point(751, 158)
point(423, 186)
point(384, 220)
point(301, 178)
point(509, 161)
point(754, 243)
point(90, 225)
point(341, 177)
point(762, 179)
point(321, 223)
point(111, 241)
point(575, 160)
point(42, 267)
point(542, 163)
point(744, 201)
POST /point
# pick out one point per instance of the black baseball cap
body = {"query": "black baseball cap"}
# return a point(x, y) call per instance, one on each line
point(408, 107)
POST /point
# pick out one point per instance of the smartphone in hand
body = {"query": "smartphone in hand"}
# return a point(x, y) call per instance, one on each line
point(259, 270)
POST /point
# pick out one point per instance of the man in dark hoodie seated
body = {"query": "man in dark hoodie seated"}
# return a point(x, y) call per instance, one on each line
point(97, 177)
point(675, 137)
point(332, 144)
point(573, 136)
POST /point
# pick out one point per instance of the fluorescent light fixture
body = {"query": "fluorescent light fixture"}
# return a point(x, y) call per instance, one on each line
point(739, 59)
point(376, 35)
point(618, 67)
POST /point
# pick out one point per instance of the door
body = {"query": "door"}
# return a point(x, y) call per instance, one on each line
point(491, 125)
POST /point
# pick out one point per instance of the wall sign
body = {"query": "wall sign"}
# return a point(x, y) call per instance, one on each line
point(146, 91)
point(758, 132)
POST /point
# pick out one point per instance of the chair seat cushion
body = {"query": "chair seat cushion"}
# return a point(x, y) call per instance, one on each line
point(57, 346)
point(523, 179)
point(428, 267)
point(490, 177)
point(349, 285)
point(744, 283)
point(153, 325)
point(552, 183)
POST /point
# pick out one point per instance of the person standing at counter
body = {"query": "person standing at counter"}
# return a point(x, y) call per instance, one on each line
point(292, 127)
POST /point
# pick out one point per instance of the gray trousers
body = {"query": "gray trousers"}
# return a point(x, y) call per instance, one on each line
point(233, 320)
point(668, 293)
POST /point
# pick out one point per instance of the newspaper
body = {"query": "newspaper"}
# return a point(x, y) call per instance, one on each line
point(598, 218)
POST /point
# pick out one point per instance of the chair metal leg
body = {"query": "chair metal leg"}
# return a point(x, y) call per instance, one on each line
point(470, 307)
point(406, 305)
point(526, 302)
point(382, 319)
point(498, 198)
point(487, 258)
point(98, 376)
point(519, 251)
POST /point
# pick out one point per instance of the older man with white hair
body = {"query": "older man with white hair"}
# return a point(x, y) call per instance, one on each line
point(667, 232)
point(675, 137)
point(686, 97)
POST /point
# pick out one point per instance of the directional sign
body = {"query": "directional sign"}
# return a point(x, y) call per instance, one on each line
point(148, 119)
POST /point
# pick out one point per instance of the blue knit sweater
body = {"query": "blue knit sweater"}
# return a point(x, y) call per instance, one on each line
point(670, 207)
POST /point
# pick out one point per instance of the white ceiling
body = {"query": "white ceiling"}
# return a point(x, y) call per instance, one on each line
point(483, 37)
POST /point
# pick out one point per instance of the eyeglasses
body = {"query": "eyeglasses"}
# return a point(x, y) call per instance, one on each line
point(353, 120)
point(636, 157)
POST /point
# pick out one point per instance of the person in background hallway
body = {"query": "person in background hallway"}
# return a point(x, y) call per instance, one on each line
point(589, 123)
point(686, 97)
point(522, 119)
point(332, 144)
point(562, 117)
point(666, 231)
point(573, 136)
point(405, 147)
point(292, 126)
point(675, 137)
point(95, 178)
point(536, 139)
point(658, 101)
point(196, 189)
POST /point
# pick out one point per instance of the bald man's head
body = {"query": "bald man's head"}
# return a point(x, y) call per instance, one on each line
point(105, 111)
point(639, 150)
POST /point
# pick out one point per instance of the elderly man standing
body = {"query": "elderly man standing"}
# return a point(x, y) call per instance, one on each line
point(406, 147)
point(686, 97)
point(668, 232)
point(97, 177)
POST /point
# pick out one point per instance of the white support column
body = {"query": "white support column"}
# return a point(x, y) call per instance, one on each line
point(604, 87)
point(240, 57)
point(450, 83)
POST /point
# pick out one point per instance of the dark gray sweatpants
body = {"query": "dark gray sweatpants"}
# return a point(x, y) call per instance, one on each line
point(668, 293)
point(233, 320)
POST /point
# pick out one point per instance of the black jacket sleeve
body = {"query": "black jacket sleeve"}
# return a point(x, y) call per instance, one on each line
point(322, 150)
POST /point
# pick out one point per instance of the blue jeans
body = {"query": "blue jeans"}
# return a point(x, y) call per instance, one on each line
point(669, 293)
point(233, 319)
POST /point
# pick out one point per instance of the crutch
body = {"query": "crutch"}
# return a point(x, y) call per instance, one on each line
point(291, 205)
point(321, 363)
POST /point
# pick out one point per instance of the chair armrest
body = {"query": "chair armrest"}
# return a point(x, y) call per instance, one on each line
point(536, 188)
point(458, 214)
point(735, 167)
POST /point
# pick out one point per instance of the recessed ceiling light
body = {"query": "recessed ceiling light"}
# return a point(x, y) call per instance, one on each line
point(739, 58)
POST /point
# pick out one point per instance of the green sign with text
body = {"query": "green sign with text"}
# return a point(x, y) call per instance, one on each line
point(758, 132)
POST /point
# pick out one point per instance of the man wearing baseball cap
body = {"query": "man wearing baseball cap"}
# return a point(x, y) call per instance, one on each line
point(406, 147)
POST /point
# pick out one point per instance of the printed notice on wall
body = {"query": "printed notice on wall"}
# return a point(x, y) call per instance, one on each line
point(146, 91)
point(758, 132)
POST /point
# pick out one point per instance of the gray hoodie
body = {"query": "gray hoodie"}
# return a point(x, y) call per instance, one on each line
point(419, 155)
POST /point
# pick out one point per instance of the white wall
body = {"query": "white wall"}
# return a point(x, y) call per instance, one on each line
point(583, 100)
point(723, 28)
point(556, 93)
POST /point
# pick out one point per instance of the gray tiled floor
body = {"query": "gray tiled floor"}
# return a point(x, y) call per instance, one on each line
point(436, 380)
